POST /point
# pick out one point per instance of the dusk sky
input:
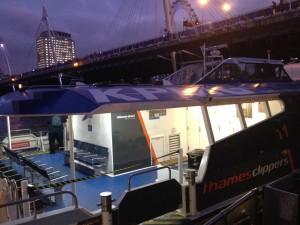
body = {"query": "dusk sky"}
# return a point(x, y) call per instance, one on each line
point(95, 25)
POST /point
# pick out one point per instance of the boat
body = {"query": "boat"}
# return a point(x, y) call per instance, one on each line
point(254, 144)
point(231, 70)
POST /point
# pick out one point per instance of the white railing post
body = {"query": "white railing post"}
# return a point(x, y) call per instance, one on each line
point(180, 167)
point(191, 179)
point(106, 207)
point(25, 195)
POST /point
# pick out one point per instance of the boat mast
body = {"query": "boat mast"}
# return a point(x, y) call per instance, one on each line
point(170, 29)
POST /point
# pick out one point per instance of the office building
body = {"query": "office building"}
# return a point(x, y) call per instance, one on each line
point(58, 48)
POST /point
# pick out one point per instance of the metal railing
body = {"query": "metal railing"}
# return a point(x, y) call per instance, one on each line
point(222, 215)
point(147, 171)
point(34, 199)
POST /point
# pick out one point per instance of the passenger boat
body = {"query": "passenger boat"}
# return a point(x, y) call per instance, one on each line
point(237, 137)
point(231, 70)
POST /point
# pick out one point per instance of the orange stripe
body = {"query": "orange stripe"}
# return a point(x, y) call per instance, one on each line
point(291, 160)
point(152, 152)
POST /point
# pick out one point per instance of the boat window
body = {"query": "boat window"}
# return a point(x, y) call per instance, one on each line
point(254, 112)
point(224, 120)
point(263, 72)
point(197, 135)
point(276, 106)
point(175, 128)
point(224, 74)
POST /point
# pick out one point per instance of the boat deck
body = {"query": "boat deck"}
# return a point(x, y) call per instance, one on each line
point(88, 191)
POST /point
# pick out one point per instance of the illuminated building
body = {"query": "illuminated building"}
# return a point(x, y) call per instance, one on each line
point(59, 43)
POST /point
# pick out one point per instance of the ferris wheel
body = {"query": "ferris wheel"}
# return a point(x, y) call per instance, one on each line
point(192, 19)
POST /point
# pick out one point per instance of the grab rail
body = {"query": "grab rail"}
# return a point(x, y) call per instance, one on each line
point(168, 154)
point(222, 214)
point(34, 199)
point(148, 171)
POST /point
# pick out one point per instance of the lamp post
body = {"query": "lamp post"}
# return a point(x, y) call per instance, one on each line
point(2, 46)
point(226, 7)
point(3, 49)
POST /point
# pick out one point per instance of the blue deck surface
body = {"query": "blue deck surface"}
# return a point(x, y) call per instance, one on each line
point(88, 191)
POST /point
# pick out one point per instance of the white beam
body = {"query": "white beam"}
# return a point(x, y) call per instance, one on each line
point(8, 132)
point(71, 149)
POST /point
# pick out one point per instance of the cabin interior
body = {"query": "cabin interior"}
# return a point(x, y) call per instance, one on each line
point(140, 139)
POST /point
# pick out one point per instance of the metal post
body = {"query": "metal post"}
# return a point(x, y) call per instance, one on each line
point(191, 175)
point(207, 124)
point(184, 201)
point(269, 54)
point(268, 109)
point(180, 170)
point(71, 149)
point(8, 132)
point(106, 207)
point(65, 136)
point(203, 48)
point(60, 79)
point(25, 195)
point(173, 59)
point(7, 62)
point(241, 116)
point(42, 142)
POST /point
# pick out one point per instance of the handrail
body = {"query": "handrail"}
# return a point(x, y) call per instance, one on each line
point(34, 199)
point(168, 154)
point(143, 172)
point(231, 207)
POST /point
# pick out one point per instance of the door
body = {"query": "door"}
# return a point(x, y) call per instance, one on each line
point(158, 144)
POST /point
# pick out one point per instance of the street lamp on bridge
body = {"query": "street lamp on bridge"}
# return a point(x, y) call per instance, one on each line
point(203, 2)
point(3, 50)
point(226, 7)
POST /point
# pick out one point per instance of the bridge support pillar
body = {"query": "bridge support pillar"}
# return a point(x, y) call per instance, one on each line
point(173, 60)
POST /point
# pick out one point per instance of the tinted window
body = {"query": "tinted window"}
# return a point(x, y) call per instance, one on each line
point(224, 74)
point(263, 72)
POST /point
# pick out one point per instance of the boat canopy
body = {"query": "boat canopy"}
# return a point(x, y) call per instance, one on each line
point(92, 100)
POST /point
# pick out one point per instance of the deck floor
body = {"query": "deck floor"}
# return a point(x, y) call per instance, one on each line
point(88, 191)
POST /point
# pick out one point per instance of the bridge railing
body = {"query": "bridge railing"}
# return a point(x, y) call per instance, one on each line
point(216, 26)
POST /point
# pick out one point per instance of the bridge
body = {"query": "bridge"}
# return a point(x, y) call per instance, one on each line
point(268, 30)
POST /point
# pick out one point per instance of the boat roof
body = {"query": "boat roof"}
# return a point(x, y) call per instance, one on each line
point(252, 60)
point(93, 100)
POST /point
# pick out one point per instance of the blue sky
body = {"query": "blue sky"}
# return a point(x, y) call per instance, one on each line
point(95, 25)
